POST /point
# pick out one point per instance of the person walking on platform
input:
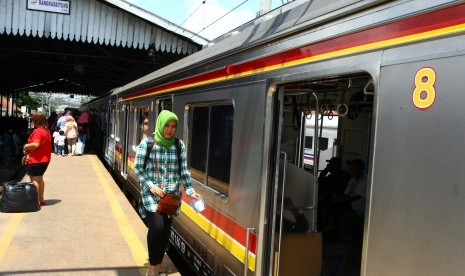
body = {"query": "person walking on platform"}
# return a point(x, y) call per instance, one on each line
point(61, 143)
point(62, 120)
point(71, 132)
point(161, 172)
point(55, 135)
point(38, 151)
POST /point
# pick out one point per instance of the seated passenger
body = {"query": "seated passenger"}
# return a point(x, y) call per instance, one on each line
point(355, 195)
point(357, 187)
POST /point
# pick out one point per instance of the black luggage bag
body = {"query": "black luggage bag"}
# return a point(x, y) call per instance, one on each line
point(19, 197)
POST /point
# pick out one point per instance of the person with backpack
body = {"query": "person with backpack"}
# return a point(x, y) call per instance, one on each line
point(161, 166)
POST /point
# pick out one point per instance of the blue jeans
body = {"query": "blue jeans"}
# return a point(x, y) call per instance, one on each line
point(61, 149)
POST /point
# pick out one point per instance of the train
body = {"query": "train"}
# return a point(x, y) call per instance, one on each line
point(251, 106)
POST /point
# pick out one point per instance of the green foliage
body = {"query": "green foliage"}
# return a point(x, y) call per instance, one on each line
point(86, 99)
point(24, 99)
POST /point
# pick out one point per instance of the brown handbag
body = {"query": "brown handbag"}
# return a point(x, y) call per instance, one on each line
point(169, 204)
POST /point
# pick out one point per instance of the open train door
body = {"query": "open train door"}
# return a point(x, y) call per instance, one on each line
point(121, 139)
point(111, 135)
point(294, 247)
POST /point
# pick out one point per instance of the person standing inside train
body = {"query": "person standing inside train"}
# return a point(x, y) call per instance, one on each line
point(160, 177)
point(38, 152)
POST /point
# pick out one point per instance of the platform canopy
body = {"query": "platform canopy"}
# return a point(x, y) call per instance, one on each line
point(84, 46)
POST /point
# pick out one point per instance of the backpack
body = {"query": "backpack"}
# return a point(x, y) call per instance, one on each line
point(151, 143)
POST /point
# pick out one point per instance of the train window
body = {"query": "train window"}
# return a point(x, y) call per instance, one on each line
point(309, 142)
point(210, 140)
point(141, 118)
point(166, 104)
point(323, 143)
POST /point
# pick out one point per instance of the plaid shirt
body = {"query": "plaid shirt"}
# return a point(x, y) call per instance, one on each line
point(168, 170)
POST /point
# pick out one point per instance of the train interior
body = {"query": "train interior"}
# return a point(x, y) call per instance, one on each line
point(341, 108)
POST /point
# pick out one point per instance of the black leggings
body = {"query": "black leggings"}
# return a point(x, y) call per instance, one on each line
point(158, 236)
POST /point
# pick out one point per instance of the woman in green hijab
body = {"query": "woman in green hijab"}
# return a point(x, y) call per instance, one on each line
point(156, 183)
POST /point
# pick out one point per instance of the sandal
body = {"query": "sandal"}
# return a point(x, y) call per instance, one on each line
point(42, 203)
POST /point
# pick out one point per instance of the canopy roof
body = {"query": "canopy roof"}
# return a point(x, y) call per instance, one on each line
point(98, 46)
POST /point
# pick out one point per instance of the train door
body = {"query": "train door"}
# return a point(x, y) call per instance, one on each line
point(121, 139)
point(140, 126)
point(295, 244)
point(322, 132)
point(111, 135)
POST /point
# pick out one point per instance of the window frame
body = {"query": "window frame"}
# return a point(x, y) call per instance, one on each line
point(187, 111)
point(137, 113)
point(160, 104)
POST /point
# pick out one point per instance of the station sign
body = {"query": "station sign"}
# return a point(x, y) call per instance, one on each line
point(56, 6)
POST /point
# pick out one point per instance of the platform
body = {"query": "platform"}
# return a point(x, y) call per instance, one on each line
point(88, 227)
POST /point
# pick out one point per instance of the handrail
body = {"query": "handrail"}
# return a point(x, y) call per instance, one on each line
point(315, 166)
point(247, 245)
point(282, 208)
point(301, 142)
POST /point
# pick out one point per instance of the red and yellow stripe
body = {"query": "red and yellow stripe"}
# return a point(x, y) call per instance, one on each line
point(434, 24)
point(223, 230)
point(118, 152)
point(131, 161)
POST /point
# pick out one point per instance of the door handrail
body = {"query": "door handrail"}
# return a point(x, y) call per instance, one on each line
point(247, 246)
point(316, 160)
point(281, 215)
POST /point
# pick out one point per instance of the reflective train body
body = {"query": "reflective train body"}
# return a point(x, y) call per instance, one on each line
point(253, 106)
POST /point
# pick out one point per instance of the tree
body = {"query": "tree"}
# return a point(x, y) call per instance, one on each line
point(30, 101)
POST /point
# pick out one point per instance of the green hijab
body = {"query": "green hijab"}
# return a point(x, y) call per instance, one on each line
point(163, 118)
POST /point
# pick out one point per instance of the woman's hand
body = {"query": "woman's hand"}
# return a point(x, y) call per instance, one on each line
point(25, 150)
point(196, 196)
point(157, 191)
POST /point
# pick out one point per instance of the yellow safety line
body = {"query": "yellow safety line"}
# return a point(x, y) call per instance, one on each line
point(135, 244)
point(8, 235)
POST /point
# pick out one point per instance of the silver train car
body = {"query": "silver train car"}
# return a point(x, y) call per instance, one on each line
point(390, 71)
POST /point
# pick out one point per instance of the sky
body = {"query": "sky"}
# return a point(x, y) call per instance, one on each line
point(177, 11)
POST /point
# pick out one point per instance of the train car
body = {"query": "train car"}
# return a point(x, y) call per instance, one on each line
point(327, 140)
point(389, 70)
point(101, 135)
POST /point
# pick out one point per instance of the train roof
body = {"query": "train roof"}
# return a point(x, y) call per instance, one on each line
point(269, 27)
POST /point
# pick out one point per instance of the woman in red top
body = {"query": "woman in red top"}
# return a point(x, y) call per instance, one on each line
point(38, 152)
